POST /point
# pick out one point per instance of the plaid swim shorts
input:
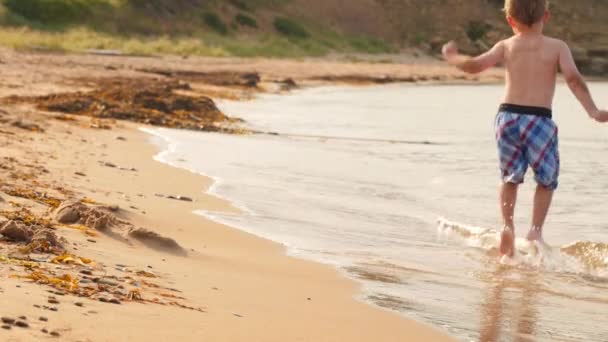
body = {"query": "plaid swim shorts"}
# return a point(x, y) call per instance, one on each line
point(527, 136)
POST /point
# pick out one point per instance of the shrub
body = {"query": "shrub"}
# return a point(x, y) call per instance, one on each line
point(51, 11)
point(476, 30)
point(245, 20)
point(290, 28)
point(369, 45)
point(241, 4)
point(215, 22)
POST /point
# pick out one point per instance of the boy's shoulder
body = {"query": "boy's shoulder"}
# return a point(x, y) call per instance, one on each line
point(547, 41)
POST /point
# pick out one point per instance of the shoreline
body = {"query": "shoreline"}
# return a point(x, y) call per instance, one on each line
point(419, 332)
point(232, 286)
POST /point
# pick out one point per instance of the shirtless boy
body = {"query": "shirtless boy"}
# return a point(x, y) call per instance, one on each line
point(525, 132)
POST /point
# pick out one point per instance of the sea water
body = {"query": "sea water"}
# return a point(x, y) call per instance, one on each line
point(397, 187)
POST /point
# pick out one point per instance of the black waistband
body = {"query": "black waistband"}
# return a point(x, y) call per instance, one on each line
point(526, 110)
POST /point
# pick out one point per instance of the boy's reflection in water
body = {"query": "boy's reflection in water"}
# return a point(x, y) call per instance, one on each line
point(510, 314)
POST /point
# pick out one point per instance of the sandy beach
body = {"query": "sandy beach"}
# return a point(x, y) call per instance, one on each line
point(130, 261)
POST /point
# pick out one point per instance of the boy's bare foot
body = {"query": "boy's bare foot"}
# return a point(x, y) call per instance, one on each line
point(535, 234)
point(507, 242)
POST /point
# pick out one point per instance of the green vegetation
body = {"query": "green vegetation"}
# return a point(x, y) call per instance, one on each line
point(55, 12)
point(240, 4)
point(290, 28)
point(245, 20)
point(476, 30)
point(369, 45)
point(215, 22)
point(147, 27)
point(277, 27)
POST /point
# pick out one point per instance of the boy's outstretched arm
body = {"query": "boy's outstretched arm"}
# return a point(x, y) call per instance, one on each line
point(473, 65)
point(577, 84)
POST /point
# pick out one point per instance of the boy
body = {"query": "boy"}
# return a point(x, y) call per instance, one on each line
point(525, 132)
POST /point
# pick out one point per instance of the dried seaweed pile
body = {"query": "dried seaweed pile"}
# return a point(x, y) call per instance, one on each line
point(144, 100)
point(33, 212)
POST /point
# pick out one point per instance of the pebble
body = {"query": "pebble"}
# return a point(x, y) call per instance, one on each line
point(8, 320)
point(54, 309)
point(87, 272)
point(91, 240)
point(115, 301)
point(55, 334)
point(22, 324)
point(181, 198)
point(44, 319)
point(23, 318)
point(44, 330)
point(108, 164)
point(53, 301)
point(6, 327)
point(80, 174)
point(107, 282)
point(80, 304)
point(121, 138)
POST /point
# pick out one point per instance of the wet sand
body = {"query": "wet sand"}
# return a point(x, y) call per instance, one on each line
point(104, 245)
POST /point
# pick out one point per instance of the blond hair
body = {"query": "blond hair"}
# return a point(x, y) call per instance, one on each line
point(527, 12)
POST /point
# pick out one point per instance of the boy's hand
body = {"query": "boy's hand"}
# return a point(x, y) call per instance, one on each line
point(450, 49)
point(600, 116)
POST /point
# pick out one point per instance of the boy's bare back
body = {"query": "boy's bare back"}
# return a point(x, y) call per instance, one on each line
point(531, 63)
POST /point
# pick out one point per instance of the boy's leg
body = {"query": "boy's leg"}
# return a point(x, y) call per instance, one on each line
point(544, 158)
point(508, 199)
point(542, 202)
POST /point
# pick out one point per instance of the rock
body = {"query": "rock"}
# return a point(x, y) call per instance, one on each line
point(185, 199)
point(6, 327)
point(23, 318)
point(121, 138)
point(598, 52)
point(29, 126)
point(55, 334)
point(113, 208)
point(155, 240)
point(44, 330)
point(115, 301)
point(108, 164)
point(43, 319)
point(16, 231)
point(80, 174)
point(288, 84)
point(79, 304)
point(68, 213)
point(599, 66)
point(53, 301)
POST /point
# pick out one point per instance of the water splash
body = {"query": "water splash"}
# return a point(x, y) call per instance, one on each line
point(578, 257)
